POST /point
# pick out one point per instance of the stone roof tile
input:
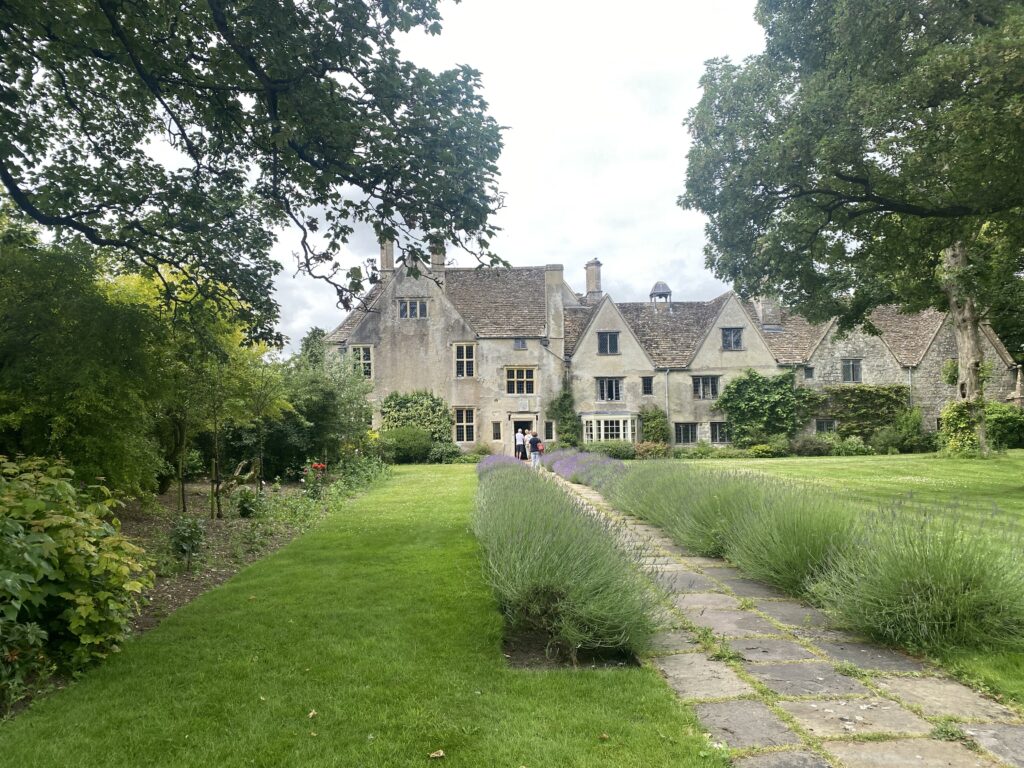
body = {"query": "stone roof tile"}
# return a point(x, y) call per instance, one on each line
point(907, 335)
point(576, 319)
point(499, 302)
point(340, 334)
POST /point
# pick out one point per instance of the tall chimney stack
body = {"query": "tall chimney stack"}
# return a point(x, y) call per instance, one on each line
point(594, 280)
point(437, 258)
point(387, 256)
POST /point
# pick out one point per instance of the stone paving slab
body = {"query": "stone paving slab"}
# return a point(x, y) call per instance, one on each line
point(789, 612)
point(869, 656)
point(719, 570)
point(758, 650)
point(783, 760)
point(693, 676)
point(686, 581)
point(1006, 741)
point(812, 679)
point(698, 600)
point(938, 697)
point(920, 753)
point(749, 587)
point(658, 560)
point(696, 561)
point(741, 724)
point(847, 717)
point(675, 640)
point(730, 623)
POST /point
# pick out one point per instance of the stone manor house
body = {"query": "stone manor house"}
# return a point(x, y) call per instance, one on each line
point(497, 345)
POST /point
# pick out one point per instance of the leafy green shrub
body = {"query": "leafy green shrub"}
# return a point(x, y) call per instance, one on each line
point(697, 508)
point(777, 446)
point(654, 424)
point(22, 660)
point(847, 446)
point(66, 568)
point(555, 567)
point(905, 435)
point(616, 449)
point(702, 449)
point(562, 410)
point(810, 445)
point(407, 445)
point(420, 409)
point(789, 534)
point(1004, 425)
point(647, 450)
point(958, 434)
point(929, 583)
point(247, 502)
point(187, 538)
point(444, 453)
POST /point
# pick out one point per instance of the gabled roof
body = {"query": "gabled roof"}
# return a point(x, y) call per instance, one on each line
point(576, 321)
point(794, 339)
point(340, 334)
point(671, 332)
point(908, 336)
point(499, 302)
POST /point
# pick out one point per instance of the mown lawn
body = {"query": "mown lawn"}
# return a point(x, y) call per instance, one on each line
point(989, 491)
point(981, 488)
point(380, 623)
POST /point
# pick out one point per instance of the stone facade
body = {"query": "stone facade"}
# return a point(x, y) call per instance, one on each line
point(497, 345)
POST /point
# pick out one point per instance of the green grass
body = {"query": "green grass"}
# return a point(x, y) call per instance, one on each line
point(981, 488)
point(380, 621)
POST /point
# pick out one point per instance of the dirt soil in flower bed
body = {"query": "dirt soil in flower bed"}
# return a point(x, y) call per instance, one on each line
point(225, 552)
point(529, 650)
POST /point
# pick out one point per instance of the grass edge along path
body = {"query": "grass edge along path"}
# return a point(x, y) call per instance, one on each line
point(371, 641)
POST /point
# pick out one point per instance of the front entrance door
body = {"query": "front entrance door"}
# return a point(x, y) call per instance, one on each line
point(526, 426)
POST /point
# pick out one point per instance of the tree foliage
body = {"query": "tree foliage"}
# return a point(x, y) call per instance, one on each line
point(183, 135)
point(654, 424)
point(758, 407)
point(868, 156)
point(418, 409)
point(861, 409)
point(562, 410)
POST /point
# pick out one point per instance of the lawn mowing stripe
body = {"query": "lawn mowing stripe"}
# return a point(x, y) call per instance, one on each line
point(379, 621)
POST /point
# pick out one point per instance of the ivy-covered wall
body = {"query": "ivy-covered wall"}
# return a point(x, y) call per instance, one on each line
point(860, 409)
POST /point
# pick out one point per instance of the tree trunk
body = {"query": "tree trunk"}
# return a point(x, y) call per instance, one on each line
point(967, 332)
point(181, 445)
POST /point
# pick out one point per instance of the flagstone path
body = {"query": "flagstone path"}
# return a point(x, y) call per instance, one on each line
point(777, 687)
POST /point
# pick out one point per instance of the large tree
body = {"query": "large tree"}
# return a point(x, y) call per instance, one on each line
point(184, 134)
point(870, 155)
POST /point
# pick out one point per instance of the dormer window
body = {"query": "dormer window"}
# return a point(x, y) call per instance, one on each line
point(412, 309)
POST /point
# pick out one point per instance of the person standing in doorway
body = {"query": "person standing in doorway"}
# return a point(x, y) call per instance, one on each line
point(534, 450)
point(520, 445)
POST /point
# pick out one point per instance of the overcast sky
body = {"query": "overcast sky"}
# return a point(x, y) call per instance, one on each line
point(595, 150)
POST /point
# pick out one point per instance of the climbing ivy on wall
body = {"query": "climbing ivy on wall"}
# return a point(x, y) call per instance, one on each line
point(860, 409)
point(759, 407)
point(562, 410)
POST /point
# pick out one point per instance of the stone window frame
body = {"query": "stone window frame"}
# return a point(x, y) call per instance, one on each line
point(362, 357)
point(520, 380)
point(549, 431)
point(852, 370)
point(646, 385)
point(465, 424)
point(685, 429)
point(732, 340)
point(808, 372)
point(824, 426)
point(719, 432)
point(705, 387)
point(519, 343)
point(603, 428)
point(495, 430)
point(412, 309)
point(607, 342)
point(608, 385)
point(468, 362)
